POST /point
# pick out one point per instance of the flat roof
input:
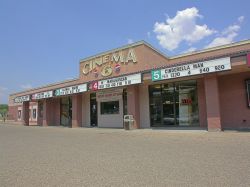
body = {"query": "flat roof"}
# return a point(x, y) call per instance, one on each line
point(142, 42)
point(211, 49)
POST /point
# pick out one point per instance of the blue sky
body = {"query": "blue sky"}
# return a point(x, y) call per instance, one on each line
point(42, 42)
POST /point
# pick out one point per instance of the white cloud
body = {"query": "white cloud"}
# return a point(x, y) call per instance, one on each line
point(130, 41)
point(26, 86)
point(182, 27)
point(241, 19)
point(227, 35)
point(149, 34)
point(191, 49)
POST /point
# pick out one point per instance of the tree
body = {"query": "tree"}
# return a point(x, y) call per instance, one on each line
point(3, 111)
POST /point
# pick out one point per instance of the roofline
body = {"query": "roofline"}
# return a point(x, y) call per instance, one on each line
point(157, 50)
point(47, 85)
point(234, 44)
point(141, 42)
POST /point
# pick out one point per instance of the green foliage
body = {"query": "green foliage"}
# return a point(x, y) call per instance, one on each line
point(3, 110)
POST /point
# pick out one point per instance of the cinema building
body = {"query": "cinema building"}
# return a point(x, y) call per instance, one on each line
point(207, 89)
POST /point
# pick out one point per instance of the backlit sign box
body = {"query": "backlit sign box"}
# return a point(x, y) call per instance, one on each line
point(21, 99)
point(71, 90)
point(197, 68)
point(93, 86)
point(120, 81)
point(42, 95)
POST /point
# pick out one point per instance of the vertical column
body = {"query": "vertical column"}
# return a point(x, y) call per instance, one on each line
point(86, 109)
point(46, 112)
point(25, 113)
point(202, 103)
point(77, 110)
point(39, 113)
point(51, 112)
point(212, 103)
point(133, 104)
point(57, 109)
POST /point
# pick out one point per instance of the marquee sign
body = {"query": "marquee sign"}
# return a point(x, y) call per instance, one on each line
point(21, 99)
point(42, 95)
point(119, 81)
point(71, 90)
point(198, 68)
point(107, 64)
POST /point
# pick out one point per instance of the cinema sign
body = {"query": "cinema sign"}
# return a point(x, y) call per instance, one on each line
point(211, 66)
point(107, 64)
point(21, 99)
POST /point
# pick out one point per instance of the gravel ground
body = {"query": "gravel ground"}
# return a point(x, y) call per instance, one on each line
point(54, 156)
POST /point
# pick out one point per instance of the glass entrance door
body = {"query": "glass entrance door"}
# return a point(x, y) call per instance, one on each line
point(174, 104)
point(93, 110)
point(155, 105)
point(187, 103)
point(168, 105)
point(66, 112)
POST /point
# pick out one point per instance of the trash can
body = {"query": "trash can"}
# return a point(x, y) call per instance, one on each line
point(128, 121)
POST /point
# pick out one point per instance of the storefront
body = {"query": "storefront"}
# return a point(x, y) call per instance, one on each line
point(66, 111)
point(204, 89)
point(110, 108)
point(108, 103)
point(174, 104)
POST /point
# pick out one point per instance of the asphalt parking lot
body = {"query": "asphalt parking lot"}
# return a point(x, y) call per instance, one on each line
point(55, 156)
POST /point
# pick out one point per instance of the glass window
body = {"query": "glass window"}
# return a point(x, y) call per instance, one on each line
point(40, 109)
point(168, 104)
point(19, 114)
point(110, 107)
point(34, 114)
point(155, 104)
point(66, 111)
point(187, 104)
point(174, 104)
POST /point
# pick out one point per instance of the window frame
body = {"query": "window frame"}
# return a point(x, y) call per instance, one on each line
point(106, 113)
point(34, 109)
point(19, 114)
